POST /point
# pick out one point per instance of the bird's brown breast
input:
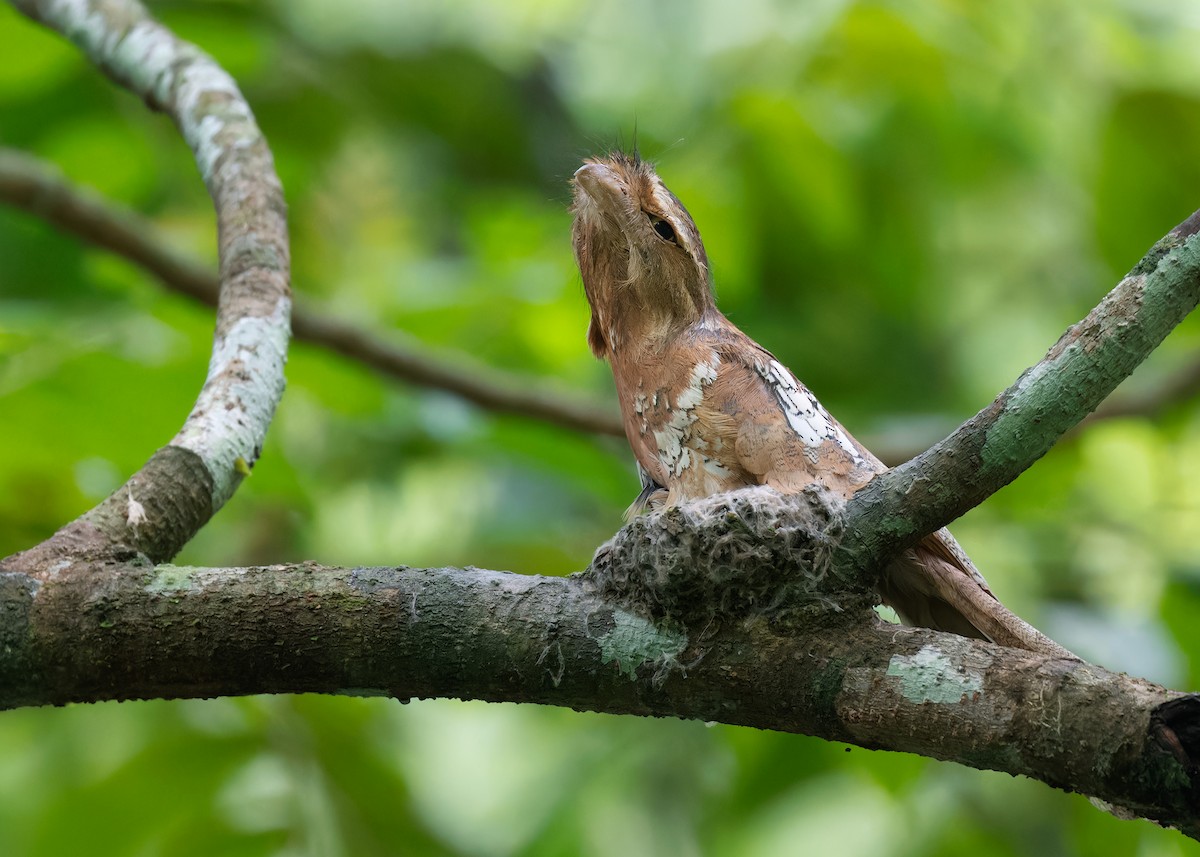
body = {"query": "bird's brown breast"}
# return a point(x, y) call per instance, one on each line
point(716, 412)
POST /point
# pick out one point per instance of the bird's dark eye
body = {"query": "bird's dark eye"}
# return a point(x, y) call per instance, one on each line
point(664, 229)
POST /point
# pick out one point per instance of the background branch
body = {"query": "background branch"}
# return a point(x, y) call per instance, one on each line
point(31, 184)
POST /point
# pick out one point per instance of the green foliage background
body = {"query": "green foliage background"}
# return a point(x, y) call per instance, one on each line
point(907, 201)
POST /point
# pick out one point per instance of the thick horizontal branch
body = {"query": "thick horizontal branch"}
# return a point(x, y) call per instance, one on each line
point(1000, 442)
point(162, 506)
point(135, 631)
point(30, 184)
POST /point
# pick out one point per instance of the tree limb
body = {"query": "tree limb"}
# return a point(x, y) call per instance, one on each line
point(175, 493)
point(1179, 385)
point(130, 630)
point(902, 505)
point(32, 185)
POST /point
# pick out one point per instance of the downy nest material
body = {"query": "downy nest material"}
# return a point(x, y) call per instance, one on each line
point(751, 552)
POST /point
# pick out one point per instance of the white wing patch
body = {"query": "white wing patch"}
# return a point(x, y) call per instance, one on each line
point(808, 419)
point(672, 439)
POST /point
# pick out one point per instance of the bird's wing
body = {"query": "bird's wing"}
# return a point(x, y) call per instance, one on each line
point(788, 439)
point(946, 548)
point(781, 434)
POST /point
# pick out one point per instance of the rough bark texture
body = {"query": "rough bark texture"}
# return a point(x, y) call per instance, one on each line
point(185, 508)
point(999, 443)
point(107, 630)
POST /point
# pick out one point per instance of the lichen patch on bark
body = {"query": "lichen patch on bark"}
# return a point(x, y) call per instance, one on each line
point(930, 676)
point(633, 641)
point(235, 407)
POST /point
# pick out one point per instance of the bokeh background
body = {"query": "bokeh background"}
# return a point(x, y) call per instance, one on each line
point(907, 201)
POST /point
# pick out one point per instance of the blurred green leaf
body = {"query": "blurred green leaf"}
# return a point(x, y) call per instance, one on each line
point(906, 201)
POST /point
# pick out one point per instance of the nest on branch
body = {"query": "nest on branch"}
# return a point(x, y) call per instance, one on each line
point(739, 555)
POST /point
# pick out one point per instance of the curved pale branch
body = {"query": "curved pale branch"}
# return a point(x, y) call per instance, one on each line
point(999, 443)
point(162, 506)
point(30, 184)
point(97, 632)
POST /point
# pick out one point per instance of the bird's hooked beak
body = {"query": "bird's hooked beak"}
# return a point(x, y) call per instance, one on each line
point(598, 188)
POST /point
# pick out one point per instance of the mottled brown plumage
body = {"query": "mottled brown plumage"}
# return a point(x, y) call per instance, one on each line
point(707, 409)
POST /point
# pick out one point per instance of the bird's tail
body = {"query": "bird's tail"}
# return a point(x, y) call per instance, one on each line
point(928, 587)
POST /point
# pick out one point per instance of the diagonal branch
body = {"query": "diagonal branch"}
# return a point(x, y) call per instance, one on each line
point(1178, 386)
point(999, 443)
point(175, 493)
point(1181, 384)
point(32, 185)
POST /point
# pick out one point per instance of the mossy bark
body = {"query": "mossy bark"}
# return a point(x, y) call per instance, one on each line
point(899, 507)
point(129, 630)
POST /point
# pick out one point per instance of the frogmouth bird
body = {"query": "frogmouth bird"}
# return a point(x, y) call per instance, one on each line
point(707, 409)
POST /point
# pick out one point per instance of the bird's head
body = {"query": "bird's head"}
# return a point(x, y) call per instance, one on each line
point(643, 264)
